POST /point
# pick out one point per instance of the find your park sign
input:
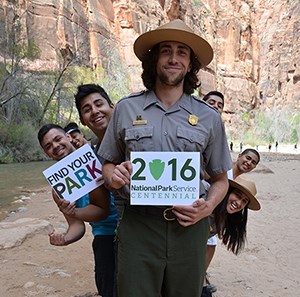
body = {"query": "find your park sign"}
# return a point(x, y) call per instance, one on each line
point(76, 174)
point(164, 178)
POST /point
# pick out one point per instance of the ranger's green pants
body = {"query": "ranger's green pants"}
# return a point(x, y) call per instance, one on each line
point(158, 257)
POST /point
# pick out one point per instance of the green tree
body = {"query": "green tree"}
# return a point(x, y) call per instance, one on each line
point(13, 80)
point(295, 124)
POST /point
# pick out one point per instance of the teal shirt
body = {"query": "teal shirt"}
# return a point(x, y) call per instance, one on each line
point(106, 226)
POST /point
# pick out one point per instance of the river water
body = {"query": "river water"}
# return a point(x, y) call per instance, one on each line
point(17, 178)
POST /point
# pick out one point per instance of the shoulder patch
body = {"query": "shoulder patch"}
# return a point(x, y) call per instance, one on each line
point(198, 99)
point(136, 94)
point(203, 102)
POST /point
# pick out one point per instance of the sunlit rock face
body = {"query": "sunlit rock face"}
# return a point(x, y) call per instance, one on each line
point(256, 42)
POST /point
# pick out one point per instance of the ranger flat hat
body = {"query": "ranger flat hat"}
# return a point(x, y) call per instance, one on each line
point(248, 188)
point(177, 31)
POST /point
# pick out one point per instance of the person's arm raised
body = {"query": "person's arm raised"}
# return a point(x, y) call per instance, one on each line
point(99, 206)
point(76, 228)
point(96, 210)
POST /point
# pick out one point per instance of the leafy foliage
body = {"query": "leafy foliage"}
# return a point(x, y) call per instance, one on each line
point(18, 143)
point(262, 127)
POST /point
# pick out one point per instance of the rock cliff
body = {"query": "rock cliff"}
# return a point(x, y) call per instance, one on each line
point(256, 42)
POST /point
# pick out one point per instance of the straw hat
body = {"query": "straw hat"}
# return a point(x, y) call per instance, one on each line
point(248, 188)
point(178, 31)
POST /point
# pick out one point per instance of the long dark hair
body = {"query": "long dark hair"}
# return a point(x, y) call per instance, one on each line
point(231, 228)
point(191, 81)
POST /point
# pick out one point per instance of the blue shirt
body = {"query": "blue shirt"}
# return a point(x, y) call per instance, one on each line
point(106, 226)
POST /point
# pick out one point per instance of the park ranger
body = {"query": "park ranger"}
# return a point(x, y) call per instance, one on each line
point(160, 248)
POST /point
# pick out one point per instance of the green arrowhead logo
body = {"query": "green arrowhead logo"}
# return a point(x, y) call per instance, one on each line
point(157, 168)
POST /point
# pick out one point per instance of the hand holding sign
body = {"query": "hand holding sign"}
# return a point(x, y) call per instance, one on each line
point(121, 175)
point(67, 208)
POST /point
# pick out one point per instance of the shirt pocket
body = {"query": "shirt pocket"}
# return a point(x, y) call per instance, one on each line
point(190, 141)
point(140, 138)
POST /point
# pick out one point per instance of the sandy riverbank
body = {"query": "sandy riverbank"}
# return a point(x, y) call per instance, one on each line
point(269, 265)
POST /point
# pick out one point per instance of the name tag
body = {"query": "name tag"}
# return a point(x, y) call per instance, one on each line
point(139, 122)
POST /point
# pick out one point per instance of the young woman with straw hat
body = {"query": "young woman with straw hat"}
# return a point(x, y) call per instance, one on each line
point(232, 213)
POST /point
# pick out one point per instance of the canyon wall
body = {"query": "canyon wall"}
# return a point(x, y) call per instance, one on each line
point(256, 42)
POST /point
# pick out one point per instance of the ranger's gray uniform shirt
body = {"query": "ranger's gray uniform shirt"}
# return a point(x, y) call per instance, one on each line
point(166, 130)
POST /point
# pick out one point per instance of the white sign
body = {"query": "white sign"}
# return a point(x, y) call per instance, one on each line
point(76, 174)
point(164, 178)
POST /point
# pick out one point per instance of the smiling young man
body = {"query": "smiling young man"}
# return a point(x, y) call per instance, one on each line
point(57, 145)
point(155, 254)
point(216, 100)
point(95, 111)
point(94, 107)
point(77, 137)
point(246, 161)
point(93, 207)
